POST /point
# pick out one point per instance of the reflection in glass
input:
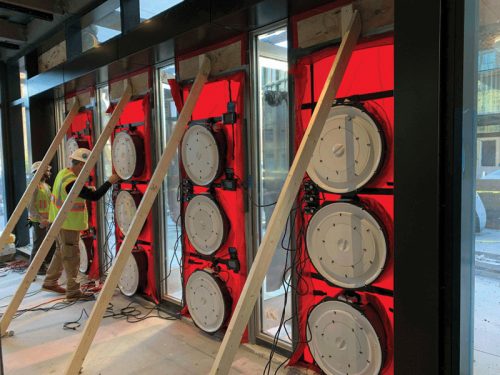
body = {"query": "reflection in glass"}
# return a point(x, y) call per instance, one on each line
point(101, 29)
point(28, 160)
point(150, 8)
point(273, 163)
point(487, 215)
point(108, 245)
point(173, 249)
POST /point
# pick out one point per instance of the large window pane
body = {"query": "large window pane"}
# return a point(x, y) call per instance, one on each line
point(273, 164)
point(150, 8)
point(487, 199)
point(172, 230)
point(28, 160)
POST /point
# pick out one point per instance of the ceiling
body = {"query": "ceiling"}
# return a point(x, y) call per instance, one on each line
point(26, 22)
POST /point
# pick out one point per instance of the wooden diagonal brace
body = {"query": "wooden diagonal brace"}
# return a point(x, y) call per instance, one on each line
point(260, 266)
point(61, 216)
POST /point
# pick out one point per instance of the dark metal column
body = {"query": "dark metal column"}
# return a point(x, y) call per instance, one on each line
point(130, 15)
point(432, 296)
point(416, 206)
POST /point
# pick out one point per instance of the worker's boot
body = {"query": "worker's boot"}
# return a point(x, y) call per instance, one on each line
point(79, 296)
point(54, 288)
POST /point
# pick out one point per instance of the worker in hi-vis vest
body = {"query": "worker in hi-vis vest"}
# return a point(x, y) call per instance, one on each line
point(38, 215)
point(67, 254)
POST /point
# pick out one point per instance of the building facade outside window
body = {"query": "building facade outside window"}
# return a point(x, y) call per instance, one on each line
point(486, 343)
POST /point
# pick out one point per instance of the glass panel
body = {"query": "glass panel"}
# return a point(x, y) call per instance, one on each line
point(27, 152)
point(101, 29)
point(273, 164)
point(22, 78)
point(108, 240)
point(173, 244)
point(3, 208)
point(487, 202)
point(27, 145)
point(60, 109)
point(150, 8)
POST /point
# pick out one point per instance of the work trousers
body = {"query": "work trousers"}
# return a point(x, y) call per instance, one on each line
point(67, 256)
point(38, 237)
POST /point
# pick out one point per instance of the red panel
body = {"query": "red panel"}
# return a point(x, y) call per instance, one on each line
point(212, 103)
point(82, 128)
point(371, 70)
point(138, 111)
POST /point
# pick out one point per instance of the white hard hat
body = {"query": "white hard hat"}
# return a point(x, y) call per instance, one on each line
point(36, 165)
point(82, 154)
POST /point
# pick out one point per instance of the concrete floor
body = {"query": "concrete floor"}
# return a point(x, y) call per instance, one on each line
point(154, 346)
point(487, 326)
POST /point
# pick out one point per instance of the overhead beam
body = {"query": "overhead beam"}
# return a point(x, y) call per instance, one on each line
point(12, 32)
point(12, 5)
point(37, 5)
point(9, 45)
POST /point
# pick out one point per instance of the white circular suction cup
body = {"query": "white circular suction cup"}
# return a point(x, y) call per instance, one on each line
point(127, 154)
point(73, 144)
point(349, 151)
point(125, 208)
point(343, 341)
point(208, 301)
point(84, 257)
point(202, 153)
point(346, 245)
point(134, 274)
point(206, 224)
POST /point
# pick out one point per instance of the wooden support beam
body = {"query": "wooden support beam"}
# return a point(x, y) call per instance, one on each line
point(61, 216)
point(30, 190)
point(140, 217)
point(260, 266)
point(12, 32)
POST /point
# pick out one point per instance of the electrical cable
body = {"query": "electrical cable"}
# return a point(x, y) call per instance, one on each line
point(232, 123)
point(75, 324)
point(288, 286)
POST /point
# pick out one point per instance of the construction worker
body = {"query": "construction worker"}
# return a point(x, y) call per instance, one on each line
point(38, 215)
point(67, 255)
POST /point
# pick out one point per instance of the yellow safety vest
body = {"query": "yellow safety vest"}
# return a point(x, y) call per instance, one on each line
point(40, 210)
point(77, 218)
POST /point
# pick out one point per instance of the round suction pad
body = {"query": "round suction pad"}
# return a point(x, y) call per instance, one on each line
point(202, 153)
point(208, 300)
point(127, 154)
point(73, 144)
point(126, 204)
point(343, 341)
point(346, 245)
point(349, 151)
point(134, 274)
point(206, 224)
point(84, 257)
